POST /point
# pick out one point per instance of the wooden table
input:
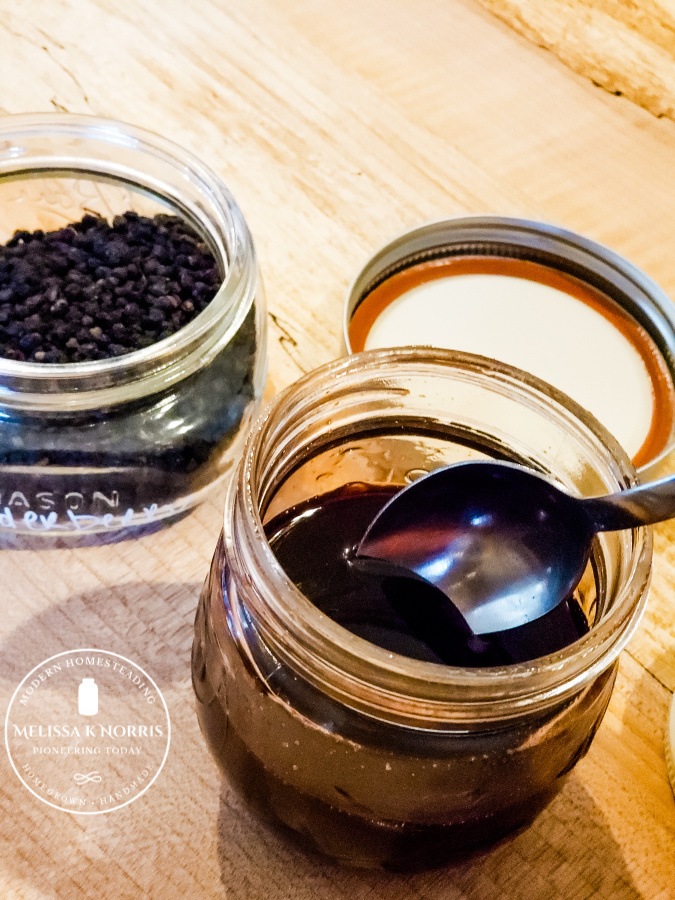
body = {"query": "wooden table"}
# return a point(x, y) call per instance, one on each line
point(336, 126)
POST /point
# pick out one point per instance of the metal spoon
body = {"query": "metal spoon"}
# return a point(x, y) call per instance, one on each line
point(502, 543)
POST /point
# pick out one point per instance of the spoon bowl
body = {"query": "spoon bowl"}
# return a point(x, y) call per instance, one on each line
point(504, 544)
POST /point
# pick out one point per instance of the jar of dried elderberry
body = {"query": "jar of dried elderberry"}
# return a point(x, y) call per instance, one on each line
point(374, 737)
point(167, 349)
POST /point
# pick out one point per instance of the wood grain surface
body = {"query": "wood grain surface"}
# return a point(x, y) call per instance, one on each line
point(336, 125)
point(626, 47)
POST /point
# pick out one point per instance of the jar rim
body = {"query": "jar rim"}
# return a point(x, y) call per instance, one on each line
point(367, 676)
point(148, 370)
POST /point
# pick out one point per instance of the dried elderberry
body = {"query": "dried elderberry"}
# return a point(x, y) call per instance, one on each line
point(95, 290)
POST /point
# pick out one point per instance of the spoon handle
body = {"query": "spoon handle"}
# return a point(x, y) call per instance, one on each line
point(641, 505)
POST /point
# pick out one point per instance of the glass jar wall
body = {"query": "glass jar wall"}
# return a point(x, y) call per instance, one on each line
point(375, 758)
point(118, 443)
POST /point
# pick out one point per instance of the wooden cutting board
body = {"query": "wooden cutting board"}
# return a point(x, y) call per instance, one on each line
point(336, 126)
point(626, 47)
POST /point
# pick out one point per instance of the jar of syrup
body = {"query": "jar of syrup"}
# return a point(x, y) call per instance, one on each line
point(361, 734)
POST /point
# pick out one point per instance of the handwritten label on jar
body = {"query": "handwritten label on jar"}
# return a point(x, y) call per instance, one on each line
point(30, 520)
point(30, 503)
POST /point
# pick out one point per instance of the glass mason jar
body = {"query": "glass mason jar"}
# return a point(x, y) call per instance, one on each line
point(119, 443)
point(375, 758)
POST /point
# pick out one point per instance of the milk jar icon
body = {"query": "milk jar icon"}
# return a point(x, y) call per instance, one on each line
point(87, 697)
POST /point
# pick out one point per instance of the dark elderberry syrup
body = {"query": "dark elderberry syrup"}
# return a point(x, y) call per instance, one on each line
point(314, 542)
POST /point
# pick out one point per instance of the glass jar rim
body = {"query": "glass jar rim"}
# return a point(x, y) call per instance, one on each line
point(53, 387)
point(370, 678)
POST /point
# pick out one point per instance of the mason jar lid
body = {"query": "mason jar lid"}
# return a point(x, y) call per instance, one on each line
point(539, 298)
